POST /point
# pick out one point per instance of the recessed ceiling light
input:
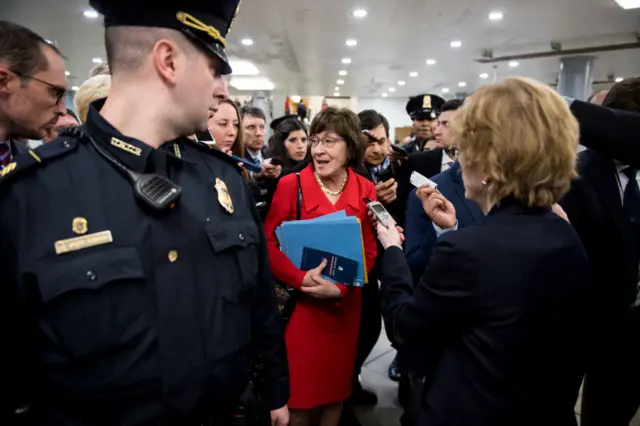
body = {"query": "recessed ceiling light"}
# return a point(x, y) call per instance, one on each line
point(340, 82)
point(67, 73)
point(336, 93)
point(456, 43)
point(352, 42)
point(462, 84)
point(514, 64)
point(628, 4)
point(97, 60)
point(392, 89)
point(402, 83)
point(384, 95)
point(496, 16)
point(252, 83)
point(243, 67)
point(346, 60)
point(619, 79)
point(445, 90)
point(342, 73)
point(90, 13)
point(336, 88)
point(247, 42)
point(413, 74)
point(359, 13)
point(75, 88)
point(484, 76)
point(431, 61)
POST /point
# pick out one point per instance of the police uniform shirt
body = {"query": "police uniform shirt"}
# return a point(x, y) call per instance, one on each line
point(157, 322)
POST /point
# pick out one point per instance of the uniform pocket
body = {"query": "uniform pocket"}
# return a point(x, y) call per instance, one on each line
point(92, 301)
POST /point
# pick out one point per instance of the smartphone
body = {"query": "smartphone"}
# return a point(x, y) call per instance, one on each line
point(400, 151)
point(276, 161)
point(250, 165)
point(385, 175)
point(379, 212)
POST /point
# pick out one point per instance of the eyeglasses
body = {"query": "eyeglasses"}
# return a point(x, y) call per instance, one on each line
point(326, 142)
point(57, 92)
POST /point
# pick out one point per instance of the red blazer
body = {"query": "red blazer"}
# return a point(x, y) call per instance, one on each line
point(315, 204)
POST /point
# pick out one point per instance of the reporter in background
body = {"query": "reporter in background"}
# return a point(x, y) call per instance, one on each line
point(70, 119)
point(289, 144)
point(96, 87)
point(501, 305)
point(322, 332)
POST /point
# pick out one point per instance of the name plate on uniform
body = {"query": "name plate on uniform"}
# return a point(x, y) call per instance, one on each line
point(83, 242)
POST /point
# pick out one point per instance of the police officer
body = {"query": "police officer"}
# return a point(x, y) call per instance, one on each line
point(135, 281)
point(423, 110)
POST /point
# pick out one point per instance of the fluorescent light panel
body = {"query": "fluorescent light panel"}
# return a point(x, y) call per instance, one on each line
point(243, 67)
point(251, 83)
point(628, 4)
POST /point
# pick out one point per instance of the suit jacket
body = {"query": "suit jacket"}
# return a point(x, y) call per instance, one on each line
point(420, 235)
point(427, 163)
point(504, 301)
point(594, 207)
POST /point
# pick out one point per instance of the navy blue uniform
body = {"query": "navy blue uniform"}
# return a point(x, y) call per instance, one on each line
point(156, 327)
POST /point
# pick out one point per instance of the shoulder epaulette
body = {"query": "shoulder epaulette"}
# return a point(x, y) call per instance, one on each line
point(216, 153)
point(35, 157)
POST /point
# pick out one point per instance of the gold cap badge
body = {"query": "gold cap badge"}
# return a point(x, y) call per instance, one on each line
point(223, 196)
point(426, 102)
point(80, 225)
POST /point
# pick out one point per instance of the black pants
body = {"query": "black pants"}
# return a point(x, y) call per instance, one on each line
point(370, 323)
point(611, 394)
point(410, 397)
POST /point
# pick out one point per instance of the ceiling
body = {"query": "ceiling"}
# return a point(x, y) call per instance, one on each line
point(299, 44)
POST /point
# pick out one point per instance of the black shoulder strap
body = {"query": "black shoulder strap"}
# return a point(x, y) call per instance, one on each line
point(299, 200)
point(34, 158)
point(210, 149)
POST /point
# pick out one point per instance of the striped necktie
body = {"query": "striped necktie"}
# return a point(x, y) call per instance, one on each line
point(5, 154)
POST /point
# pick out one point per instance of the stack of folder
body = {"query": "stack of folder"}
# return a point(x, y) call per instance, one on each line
point(335, 237)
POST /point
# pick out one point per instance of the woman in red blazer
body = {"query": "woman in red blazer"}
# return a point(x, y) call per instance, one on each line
point(322, 333)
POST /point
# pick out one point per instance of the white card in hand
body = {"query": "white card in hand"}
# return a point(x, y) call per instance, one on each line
point(418, 181)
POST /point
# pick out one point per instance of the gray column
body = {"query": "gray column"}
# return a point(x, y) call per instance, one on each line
point(576, 77)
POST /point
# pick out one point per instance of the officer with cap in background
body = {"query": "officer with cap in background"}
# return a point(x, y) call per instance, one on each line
point(144, 293)
point(424, 111)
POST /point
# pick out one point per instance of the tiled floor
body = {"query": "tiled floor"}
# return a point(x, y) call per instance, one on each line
point(374, 377)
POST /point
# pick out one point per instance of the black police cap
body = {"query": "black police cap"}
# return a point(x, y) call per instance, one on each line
point(277, 121)
point(425, 107)
point(206, 22)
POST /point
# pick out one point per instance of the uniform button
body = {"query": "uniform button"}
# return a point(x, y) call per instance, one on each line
point(173, 256)
point(91, 275)
point(241, 236)
point(208, 220)
point(65, 144)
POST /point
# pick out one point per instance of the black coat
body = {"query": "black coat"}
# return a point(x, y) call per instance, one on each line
point(500, 309)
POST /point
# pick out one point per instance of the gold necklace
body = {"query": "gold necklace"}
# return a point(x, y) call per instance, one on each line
point(330, 192)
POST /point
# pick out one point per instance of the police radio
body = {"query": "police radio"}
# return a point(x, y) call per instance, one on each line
point(154, 190)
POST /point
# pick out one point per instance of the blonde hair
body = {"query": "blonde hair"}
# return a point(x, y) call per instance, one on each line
point(95, 88)
point(522, 136)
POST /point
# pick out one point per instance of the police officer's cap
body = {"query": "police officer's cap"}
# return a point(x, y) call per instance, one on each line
point(206, 22)
point(425, 107)
point(277, 121)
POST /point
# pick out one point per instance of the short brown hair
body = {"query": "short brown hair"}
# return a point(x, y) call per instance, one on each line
point(238, 145)
point(347, 125)
point(624, 95)
point(522, 136)
point(21, 49)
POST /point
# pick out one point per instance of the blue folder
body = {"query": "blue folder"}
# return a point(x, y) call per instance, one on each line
point(336, 233)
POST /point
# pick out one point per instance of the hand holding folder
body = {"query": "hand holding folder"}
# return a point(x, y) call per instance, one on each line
point(338, 235)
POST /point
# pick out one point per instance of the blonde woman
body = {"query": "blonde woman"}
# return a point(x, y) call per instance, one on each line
point(95, 88)
point(501, 305)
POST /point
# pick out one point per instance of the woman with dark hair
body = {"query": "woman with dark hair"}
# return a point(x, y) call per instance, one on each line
point(322, 332)
point(289, 144)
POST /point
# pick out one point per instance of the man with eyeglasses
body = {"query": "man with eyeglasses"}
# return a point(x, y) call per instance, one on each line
point(32, 88)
